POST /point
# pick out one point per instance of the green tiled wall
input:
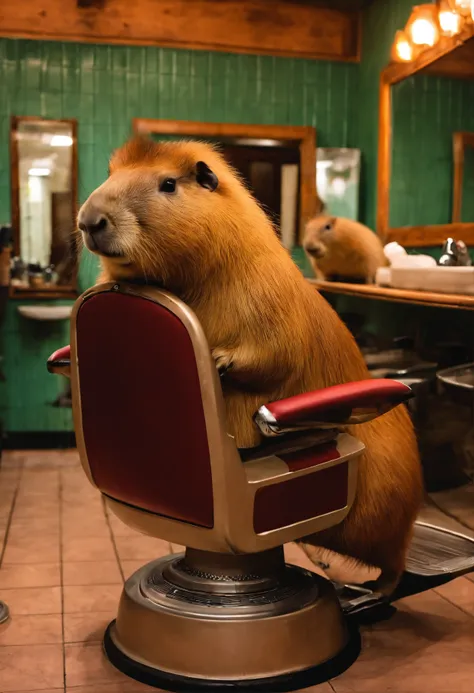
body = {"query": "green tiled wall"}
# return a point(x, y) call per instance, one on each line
point(427, 110)
point(104, 87)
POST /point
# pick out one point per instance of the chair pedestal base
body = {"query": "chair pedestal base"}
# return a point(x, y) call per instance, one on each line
point(279, 631)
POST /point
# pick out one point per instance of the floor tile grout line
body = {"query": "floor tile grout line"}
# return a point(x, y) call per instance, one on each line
point(446, 599)
point(61, 575)
point(10, 514)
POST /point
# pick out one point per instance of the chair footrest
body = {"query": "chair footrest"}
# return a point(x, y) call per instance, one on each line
point(436, 551)
point(436, 556)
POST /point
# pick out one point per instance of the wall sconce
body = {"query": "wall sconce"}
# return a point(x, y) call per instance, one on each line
point(423, 27)
point(402, 49)
point(463, 7)
point(450, 22)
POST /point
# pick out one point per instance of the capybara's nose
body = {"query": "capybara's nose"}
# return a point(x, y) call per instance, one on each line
point(91, 220)
point(312, 249)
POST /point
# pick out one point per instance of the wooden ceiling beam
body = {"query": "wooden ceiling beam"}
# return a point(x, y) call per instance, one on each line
point(271, 27)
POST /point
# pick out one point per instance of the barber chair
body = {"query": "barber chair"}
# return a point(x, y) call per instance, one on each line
point(227, 614)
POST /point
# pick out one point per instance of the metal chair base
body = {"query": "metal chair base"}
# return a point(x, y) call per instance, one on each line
point(278, 684)
point(210, 621)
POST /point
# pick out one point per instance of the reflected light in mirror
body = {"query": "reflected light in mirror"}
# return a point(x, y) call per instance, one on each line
point(61, 141)
point(402, 48)
point(339, 186)
point(39, 172)
point(35, 188)
point(449, 21)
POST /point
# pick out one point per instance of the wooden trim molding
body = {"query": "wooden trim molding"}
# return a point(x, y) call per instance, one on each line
point(381, 293)
point(302, 137)
point(280, 27)
point(461, 140)
point(421, 235)
point(430, 235)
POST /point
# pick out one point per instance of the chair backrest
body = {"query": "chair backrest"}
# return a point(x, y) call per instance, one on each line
point(147, 426)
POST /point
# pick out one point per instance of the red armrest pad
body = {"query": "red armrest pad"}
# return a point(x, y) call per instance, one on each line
point(63, 354)
point(337, 404)
point(60, 362)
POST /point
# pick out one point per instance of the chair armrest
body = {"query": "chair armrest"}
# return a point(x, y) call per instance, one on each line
point(340, 405)
point(60, 362)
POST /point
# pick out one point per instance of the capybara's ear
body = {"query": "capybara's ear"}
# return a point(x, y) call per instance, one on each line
point(205, 177)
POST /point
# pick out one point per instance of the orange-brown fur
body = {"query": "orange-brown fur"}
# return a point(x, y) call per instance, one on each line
point(338, 246)
point(219, 252)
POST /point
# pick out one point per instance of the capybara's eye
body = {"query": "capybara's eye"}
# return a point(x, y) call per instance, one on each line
point(168, 185)
point(328, 227)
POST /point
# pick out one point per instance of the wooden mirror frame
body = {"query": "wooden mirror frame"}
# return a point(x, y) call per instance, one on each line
point(67, 290)
point(422, 235)
point(461, 140)
point(305, 137)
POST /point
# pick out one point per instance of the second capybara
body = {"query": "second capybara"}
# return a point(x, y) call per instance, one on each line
point(342, 249)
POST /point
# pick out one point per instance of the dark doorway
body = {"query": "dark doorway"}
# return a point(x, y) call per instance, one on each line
point(263, 170)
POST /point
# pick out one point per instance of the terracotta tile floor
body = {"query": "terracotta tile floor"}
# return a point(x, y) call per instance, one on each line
point(63, 561)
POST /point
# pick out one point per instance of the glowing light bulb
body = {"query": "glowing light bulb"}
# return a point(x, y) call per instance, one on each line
point(403, 49)
point(450, 22)
point(423, 32)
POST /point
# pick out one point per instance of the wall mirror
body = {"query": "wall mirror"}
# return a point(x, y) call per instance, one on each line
point(423, 104)
point(463, 193)
point(44, 207)
point(278, 164)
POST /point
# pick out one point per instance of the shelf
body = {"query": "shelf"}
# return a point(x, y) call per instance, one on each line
point(380, 293)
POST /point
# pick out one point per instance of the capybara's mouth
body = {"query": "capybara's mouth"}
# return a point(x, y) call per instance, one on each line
point(95, 246)
point(315, 252)
point(111, 254)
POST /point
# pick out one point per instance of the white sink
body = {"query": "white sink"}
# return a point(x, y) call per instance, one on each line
point(45, 312)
